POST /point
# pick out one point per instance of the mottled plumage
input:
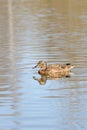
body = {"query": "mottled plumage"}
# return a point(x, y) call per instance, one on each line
point(53, 70)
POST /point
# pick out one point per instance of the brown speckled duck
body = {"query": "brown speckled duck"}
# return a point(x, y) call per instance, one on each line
point(53, 70)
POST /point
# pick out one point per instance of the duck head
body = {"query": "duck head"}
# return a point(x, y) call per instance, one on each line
point(41, 64)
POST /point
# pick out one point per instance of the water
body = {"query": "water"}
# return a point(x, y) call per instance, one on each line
point(54, 31)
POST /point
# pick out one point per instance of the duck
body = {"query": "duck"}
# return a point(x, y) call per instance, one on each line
point(53, 70)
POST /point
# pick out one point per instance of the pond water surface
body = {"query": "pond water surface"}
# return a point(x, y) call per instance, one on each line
point(54, 31)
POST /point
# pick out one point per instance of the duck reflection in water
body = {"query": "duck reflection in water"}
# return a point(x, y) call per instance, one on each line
point(52, 71)
point(41, 80)
point(44, 78)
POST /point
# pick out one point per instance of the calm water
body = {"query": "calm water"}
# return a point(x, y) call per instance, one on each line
point(54, 31)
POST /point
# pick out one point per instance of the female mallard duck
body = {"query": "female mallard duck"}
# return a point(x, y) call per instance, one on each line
point(53, 70)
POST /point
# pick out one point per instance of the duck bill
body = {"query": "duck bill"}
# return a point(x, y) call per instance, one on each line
point(34, 67)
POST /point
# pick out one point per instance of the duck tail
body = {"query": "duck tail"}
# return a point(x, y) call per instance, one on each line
point(70, 66)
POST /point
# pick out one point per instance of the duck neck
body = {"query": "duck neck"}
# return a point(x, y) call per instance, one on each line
point(44, 66)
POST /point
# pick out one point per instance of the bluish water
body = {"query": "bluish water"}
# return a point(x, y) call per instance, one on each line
point(54, 32)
